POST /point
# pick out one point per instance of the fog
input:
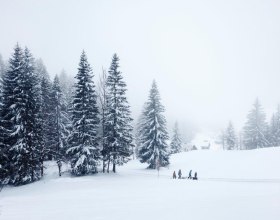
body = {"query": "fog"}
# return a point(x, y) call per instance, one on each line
point(211, 59)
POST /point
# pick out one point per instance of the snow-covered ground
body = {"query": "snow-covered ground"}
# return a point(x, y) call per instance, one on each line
point(232, 185)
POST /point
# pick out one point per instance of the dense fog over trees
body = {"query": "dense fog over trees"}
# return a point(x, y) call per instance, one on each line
point(215, 56)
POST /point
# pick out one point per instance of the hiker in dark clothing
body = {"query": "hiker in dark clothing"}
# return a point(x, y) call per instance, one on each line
point(190, 175)
point(179, 174)
point(195, 176)
point(174, 175)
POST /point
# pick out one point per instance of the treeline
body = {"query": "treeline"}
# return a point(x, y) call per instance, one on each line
point(41, 122)
point(71, 121)
point(257, 131)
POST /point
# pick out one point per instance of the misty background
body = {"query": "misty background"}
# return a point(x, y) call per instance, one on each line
point(211, 59)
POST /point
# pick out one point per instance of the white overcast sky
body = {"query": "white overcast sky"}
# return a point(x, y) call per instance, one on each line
point(210, 58)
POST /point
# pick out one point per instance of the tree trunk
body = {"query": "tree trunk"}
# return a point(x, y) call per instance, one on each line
point(33, 164)
point(114, 167)
point(108, 167)
point(42, 167)
point(103, 165)
point(114, 163)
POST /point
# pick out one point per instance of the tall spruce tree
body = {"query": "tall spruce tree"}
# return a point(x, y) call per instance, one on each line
point(84, 152)
point(46, 112)
point(28, 130)
point(10, 82)
point(230, 137)
point(154, 149)
point(255, 128)
point(38, 132)
point(176, 142)
point(118, 127)
point(19, 113)
point(60, 122)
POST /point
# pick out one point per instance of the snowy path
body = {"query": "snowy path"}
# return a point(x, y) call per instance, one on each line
point(136, 193)
point(210, 179)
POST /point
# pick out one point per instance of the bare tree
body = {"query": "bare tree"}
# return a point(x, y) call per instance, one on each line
point(102, 99)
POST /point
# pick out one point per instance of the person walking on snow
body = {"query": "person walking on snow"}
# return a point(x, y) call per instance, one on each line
point(195, 176)
point(190, 175)
point(179, 174)
point(174, 175)
point(59, 164)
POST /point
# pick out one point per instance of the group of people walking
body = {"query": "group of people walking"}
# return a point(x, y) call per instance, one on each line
point(180, 175)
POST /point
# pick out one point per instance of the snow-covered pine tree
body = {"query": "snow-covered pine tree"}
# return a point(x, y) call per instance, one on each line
point(9, 83)
point(231, 141)
point(176, 142)
point(38, 132)
point(46, 108)
point(60, 122)
point(31, 130)
point(118, 121)
point(46, 111)
point(154, 148)
point(19, 112)
point(255, 128)
point(83, 141)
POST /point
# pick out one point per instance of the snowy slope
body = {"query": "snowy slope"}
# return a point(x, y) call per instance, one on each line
point(254, 164)
point(232, 185)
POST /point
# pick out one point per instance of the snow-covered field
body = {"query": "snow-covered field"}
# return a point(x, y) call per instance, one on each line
point(232, 185)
